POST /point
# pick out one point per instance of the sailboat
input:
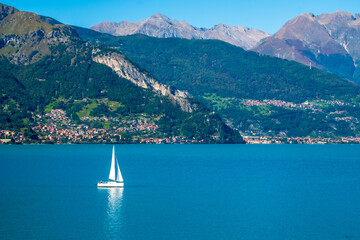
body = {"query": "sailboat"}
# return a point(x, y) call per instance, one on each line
point(116, 180)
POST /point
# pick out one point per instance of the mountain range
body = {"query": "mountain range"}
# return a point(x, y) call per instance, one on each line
point(328, 41)
point(45, 65)
point(60, 82)
point(161, 26)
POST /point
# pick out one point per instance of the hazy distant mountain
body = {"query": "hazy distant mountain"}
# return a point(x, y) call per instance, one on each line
point(327, 41)
point(163, 27)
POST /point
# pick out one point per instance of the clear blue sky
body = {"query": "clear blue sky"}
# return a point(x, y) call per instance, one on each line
point(266, 15)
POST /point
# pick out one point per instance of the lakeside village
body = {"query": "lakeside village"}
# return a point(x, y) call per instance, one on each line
point(56, 127)
point(315, 106)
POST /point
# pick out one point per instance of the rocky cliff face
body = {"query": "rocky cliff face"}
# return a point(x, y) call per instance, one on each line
point(323, 41)
point(344, 28)
point(26, 37)
point(127, 70)
point(163, 27)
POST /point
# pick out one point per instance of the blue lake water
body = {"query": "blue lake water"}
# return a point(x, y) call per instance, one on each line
point(181, 192)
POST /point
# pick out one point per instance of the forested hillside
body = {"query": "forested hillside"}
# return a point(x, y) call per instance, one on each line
point(240, 85)
point(62, 95)
point(211, 66)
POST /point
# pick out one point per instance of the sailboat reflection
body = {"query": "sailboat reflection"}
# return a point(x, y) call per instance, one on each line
point(115, 197)
point(115, 221)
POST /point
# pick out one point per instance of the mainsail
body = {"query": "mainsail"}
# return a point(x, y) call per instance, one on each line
point(112, 168)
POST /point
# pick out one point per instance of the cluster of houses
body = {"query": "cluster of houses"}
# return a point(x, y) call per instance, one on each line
point(299, 140)
point(175, 139)
point(6, 136)
point(313, 105)
point(55, 126)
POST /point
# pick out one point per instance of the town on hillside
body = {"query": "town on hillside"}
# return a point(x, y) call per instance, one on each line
point(56, 127)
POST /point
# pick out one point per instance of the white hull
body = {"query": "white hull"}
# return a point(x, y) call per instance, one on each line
point(110, 184)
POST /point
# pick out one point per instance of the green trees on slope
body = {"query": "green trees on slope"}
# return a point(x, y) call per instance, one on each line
point(70, 74)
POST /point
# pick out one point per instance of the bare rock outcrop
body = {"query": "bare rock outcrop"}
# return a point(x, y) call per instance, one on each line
point(127, 70)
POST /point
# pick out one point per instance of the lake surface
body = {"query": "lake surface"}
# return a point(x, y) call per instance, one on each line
point(181, 192)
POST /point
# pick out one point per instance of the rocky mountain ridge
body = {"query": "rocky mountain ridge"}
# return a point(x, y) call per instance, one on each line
point(161, 26)
point(26, 38)
point(328, 41)
point(344, 28)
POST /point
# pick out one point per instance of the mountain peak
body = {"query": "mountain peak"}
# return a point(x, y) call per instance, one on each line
point(309, 16)
point(308, 38)
point(34, 35)
point(159, 16)
point(304, 25)
point(221, 25)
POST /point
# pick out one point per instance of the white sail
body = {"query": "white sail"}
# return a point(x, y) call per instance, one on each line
point(112, 168)
point(119, 176)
